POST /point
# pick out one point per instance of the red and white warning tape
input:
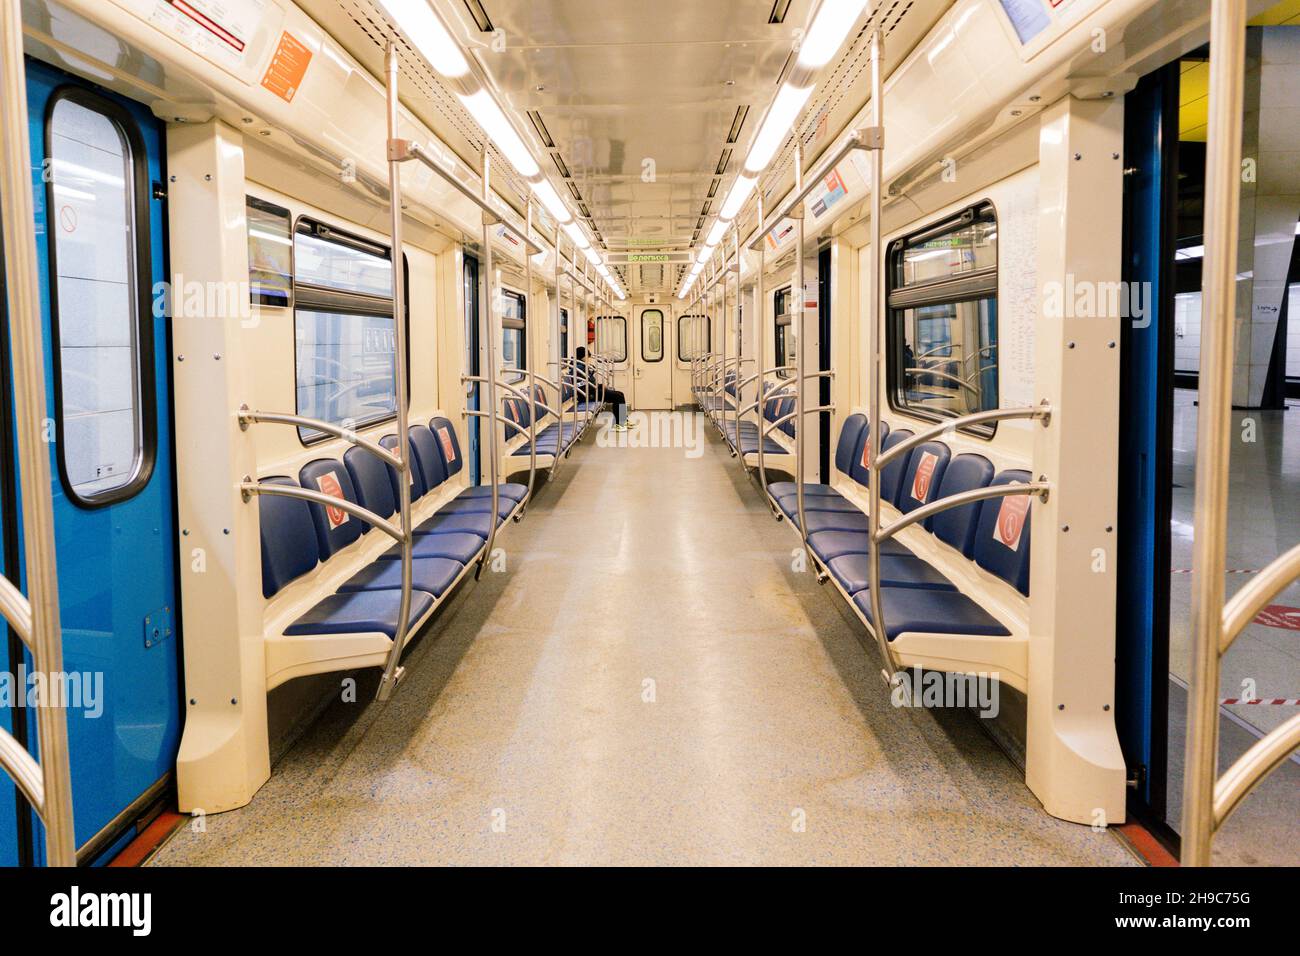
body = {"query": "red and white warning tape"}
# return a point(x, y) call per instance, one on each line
point(1228, 571)
point(1272, 701)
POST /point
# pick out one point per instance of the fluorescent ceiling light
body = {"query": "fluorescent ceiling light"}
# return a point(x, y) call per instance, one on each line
point(426, 33)
point(776, 125)
point(829, 28)
point(576, 234)
point(552, 201)
point(715, 234)
point(485, 111)
point(592, 256)
point(736, 198)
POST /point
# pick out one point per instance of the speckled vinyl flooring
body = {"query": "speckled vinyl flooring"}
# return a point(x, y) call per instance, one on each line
point(648, 682)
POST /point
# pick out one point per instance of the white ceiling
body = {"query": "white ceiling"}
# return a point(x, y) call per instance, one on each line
point(650, 104)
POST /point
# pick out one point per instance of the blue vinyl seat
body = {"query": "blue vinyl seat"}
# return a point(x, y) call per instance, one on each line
point(360, 612)
point(927, 611)
point(432, 575)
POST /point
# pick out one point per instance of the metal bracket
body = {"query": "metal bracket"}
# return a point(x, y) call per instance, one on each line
point(490, 218)
point(243, 489)
point(157, 626)
point(243, 417)
point(872, 137)
point(399, 150)
point(386, 687)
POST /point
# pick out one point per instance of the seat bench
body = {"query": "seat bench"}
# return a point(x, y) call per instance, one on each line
point(925, 608)
point(310, 548)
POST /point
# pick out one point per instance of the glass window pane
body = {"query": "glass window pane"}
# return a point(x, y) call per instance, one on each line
point(693, 334)
point(338, 265)
point(943, 351)
point(611, 337)
point(346, 368)
point(98, 312)
point(270, 252)
point(652, 336)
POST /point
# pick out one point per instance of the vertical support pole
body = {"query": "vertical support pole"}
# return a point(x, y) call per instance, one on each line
point(488, 311)
point(760, 333)
point(28, 349)
point(876, 364)
point(1213, 440)
point(740, 344)
point(532, 362)
point(797, 294)
point(721, 417)
point(392, 668)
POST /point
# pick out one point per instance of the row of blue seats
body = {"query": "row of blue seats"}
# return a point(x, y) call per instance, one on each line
point(916, 596)
point(297, 535)
point(742, 436)
point(554, 437)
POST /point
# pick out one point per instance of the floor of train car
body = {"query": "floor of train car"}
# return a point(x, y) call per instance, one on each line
point(1263, 522)
point(521, 734)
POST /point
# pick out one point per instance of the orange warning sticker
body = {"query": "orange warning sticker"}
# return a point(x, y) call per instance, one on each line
point(924, 475)
point(866, 453)
point(448, 448)
point(1011, 521)
point(288, 67)
point(328, 483)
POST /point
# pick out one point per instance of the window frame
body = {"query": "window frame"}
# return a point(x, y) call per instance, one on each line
point(336, 300)
point(663, 328)
point(520, 325)
point(781, 297)
point(142, 337)
point(949, 290)
point(682, 335)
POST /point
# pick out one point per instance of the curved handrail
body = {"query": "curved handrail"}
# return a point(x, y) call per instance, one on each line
point(24, 769)
point(1040, 488)
point(1276, 577)
point(1264, 756)
point(1041, 412)
point(248, 417)
point(917, 372)
point(17, 610)
point(248, 487)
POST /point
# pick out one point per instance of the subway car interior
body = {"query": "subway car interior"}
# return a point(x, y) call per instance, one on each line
point(602, 433)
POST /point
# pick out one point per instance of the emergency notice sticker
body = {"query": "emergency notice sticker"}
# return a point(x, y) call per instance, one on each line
point(288, 67)
point(924, 476)
point(328, 484)
point(448, 447)
point(866, 453)
point(1011, 521)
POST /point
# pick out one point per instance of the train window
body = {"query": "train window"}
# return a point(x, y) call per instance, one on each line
point(784, 331)
point(99, 261)
point(652, 335)
point(270, 252)
point(513, 346)
point(345, 341)
point(694, 336)
point(564, 333)
point(611, 337)
point(943, 307)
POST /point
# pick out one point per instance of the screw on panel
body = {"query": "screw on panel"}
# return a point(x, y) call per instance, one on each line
point(1078, 156)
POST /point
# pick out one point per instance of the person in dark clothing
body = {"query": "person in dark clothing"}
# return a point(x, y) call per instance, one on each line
point(612, 395)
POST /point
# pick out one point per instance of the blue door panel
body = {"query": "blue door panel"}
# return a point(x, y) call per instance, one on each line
point(116, 563)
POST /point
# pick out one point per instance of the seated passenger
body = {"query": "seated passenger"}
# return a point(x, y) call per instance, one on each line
point(612, 395)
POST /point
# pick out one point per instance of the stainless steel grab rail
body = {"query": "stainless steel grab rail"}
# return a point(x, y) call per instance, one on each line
point(1041, 413)
point(1039, 488)
point(46, 785)
point(248, 488)
point(248, 417)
